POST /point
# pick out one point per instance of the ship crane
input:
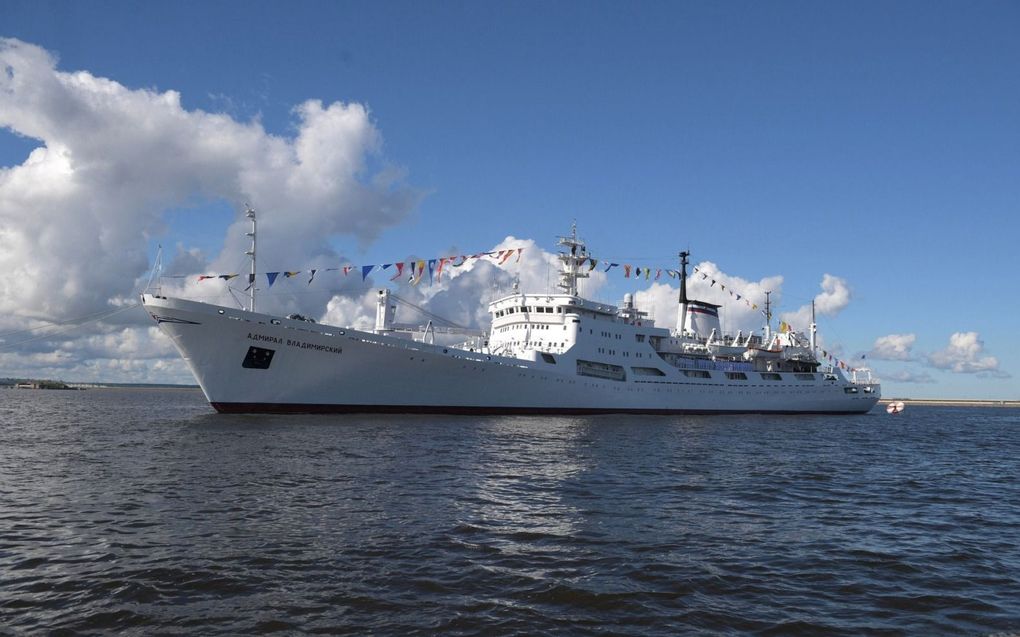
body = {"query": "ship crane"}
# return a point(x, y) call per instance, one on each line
point(386, 308)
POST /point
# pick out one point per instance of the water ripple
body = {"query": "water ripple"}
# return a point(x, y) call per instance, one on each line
point(141, 512)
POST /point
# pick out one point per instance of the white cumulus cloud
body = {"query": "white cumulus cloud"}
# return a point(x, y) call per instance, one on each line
point(894, 347)
point(833, 299)
point(77, 214)
point(965, 354)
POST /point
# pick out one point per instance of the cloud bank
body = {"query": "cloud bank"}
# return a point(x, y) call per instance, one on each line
point(76, 215)
point(965, 354)
point(833, 299)
point(894, 347)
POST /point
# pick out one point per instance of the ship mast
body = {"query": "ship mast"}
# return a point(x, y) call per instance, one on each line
point(814, 330)
point(572, 261)
point(681, 326)
point(683, 275)
point(250, 213)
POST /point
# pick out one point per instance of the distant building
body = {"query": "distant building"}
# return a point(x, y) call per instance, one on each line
point(43, 384)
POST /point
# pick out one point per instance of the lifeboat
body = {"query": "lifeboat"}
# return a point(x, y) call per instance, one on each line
point(754, 353)
point(718, 349)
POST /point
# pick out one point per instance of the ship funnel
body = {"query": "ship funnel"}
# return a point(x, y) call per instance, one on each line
point(699, 318)
point(694, 318)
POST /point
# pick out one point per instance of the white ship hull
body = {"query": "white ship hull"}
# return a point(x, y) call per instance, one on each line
point(320, 368)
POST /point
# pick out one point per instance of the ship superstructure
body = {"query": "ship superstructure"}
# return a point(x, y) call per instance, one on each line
point(554, 352)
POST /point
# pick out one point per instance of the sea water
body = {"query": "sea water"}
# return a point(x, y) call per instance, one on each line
point(143, 511)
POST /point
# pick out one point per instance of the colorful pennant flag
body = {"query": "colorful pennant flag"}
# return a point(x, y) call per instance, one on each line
point(439, 269)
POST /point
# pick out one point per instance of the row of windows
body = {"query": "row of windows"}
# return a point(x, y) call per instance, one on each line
point(527, 308)
point(525, 326)
point(612, 352)
point(698, 373)
point(589, 368)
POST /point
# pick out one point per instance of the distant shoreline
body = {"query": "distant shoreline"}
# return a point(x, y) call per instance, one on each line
point(50, 385)
point(11, 383)
point(949, 402)
point(130, 386)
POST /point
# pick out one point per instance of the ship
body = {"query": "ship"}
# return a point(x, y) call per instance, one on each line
point(552, 352)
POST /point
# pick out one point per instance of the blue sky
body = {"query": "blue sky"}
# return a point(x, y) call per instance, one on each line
point(877, 142)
